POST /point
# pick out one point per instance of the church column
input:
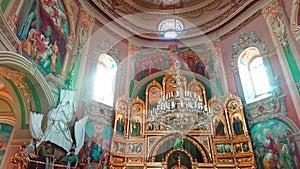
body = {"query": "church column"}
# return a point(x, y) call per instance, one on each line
point(80, 60)
point(286, 50)
point(67, 55)
point(219, 74)
point(21, 3)
point(84, 32)
point(132, 50)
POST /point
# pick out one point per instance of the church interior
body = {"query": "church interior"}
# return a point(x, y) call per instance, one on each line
point(158, 84)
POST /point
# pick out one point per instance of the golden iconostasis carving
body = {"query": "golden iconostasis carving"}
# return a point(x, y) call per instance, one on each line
point(137, 141)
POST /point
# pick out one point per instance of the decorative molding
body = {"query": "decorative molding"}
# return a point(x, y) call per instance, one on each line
point(274, 13)
point(207, 27)
point(18, 78)
point(138, 85)
point(8, 33)
point(160, 142)
point(189, 41)
point(245, 40)
point(295, 25)
point(105, 46)
point(265, 109)
point(86, 23)
point(55, 83)
point(20, 62)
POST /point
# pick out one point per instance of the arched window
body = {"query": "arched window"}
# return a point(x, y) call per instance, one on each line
point(253, 74)
point(104, 80)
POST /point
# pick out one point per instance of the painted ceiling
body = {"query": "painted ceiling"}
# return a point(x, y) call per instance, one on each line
point(141, 17)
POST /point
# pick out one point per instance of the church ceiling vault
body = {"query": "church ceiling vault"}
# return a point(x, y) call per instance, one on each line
point(141, 17)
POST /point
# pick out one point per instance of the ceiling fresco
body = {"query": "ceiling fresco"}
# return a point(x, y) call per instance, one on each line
point(142, 17)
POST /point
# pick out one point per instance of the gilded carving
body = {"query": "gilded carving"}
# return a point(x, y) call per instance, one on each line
point(18, 79)
point(273, 12)
point(225, 142)
point(86, 23)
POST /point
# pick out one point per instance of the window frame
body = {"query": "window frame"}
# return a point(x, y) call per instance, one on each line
point(103, 97)
point(247, 72)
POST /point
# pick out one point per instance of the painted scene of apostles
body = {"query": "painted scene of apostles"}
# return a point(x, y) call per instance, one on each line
point(151, 63)
point(274, 145)
point(43, 30)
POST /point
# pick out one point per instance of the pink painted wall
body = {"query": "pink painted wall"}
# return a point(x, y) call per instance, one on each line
point(259, 27)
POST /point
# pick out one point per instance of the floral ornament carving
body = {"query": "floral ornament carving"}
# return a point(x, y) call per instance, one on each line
point(268, 108)
point(245, 40)
point(264, 112)
point(105, 46)
point(86, 22)
point(295, 25)
point(18, 79)
point(275, 15)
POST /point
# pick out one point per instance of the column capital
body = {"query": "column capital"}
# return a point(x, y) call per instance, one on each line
point(274, 14)
point(132, 48)
point(271, 8)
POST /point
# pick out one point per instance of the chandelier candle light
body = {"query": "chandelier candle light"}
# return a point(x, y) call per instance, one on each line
point(181, 110)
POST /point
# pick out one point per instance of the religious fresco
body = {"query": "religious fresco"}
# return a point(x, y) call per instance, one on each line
point(191, 60)
point(5, 133)
point(273, 145)
point(98, 133)
point(43, 33)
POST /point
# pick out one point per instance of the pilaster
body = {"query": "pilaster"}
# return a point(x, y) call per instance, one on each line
point(277, 24)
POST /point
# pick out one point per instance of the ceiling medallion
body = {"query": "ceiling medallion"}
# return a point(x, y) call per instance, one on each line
point(170, 28)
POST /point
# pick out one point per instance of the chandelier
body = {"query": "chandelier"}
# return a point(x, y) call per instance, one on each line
point(181, 110)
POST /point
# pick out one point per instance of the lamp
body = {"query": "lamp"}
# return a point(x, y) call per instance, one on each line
point(181, 110)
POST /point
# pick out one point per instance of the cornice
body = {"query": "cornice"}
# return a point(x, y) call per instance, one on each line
point(226, 29)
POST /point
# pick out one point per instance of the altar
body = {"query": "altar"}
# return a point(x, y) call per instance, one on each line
point(139, 141)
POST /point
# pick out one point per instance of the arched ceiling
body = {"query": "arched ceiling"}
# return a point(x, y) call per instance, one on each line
point(141, 17)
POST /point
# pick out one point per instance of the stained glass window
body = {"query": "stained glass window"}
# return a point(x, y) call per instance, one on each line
point(170, 28)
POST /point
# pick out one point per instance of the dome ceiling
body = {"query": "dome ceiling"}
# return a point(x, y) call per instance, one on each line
point(141, 17)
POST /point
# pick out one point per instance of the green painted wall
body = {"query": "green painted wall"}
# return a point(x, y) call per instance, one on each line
point(21, 102)
point(4, 5)
point(292, 64)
